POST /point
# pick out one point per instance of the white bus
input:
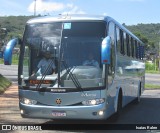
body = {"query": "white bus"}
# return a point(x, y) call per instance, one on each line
point(77, 90)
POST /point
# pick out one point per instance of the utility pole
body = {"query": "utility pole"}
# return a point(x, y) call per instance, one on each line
point(35, 8)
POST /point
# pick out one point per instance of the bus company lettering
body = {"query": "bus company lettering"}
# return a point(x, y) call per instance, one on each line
point(88, 95)
point(58, 90)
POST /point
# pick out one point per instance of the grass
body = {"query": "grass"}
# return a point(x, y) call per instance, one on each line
point(152, 71)
point(4, 83)
point(14, 60)
point(152, 86)
point(1, 61)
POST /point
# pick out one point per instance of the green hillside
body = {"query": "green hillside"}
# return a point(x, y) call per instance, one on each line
point(14, 25)
point(148, 33)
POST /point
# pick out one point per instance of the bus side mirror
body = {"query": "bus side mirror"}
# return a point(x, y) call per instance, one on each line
point(8, 51)
point(106, 50)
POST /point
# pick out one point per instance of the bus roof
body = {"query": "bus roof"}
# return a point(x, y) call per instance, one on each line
point(79, 17)
point(68, 18)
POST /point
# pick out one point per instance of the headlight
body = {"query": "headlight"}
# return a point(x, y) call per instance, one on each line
point(93, 102)
point(28, 101)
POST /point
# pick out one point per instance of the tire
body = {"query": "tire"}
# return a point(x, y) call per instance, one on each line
point(119, 109)
point(138, 99)
point(119, 106)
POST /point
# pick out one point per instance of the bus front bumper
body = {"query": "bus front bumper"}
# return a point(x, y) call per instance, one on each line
point(63, 112)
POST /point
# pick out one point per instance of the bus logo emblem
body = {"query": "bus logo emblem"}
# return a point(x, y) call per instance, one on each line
point(58, 101)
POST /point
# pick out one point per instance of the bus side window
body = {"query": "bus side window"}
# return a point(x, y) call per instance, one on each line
point(125, 43)
point(135, 48)
point(118, 40)
point(111, 33)
point(122, 42)
point(132, 46)
point(141, 52)
point(128, 45)
point(138, 51)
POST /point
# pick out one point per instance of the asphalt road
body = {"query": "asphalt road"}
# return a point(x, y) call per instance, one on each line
point(153, 79)
point(10, 72)
point(146, 112)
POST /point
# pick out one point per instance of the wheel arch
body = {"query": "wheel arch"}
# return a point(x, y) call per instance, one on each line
point(119, 94)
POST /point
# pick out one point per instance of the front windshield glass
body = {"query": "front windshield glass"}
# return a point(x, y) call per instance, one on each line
point(64, 53)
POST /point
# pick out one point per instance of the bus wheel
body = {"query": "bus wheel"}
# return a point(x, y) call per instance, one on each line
point(119, 108)
point(138, 99)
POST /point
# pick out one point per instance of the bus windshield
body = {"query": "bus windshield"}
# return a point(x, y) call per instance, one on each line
point(73, 50)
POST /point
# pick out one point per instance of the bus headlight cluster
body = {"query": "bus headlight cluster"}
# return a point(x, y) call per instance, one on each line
point(28, 101)
point(93, 101)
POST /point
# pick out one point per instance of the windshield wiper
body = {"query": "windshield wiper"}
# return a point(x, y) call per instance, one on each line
point(73, 77)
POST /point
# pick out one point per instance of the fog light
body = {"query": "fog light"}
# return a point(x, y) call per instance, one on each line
point(22, 111)
point(94, 113)
point(101, 112)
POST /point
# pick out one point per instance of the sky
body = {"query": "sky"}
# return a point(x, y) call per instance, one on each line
point(130, 12)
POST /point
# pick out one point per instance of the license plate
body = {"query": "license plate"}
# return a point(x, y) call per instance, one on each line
point(59, 114)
